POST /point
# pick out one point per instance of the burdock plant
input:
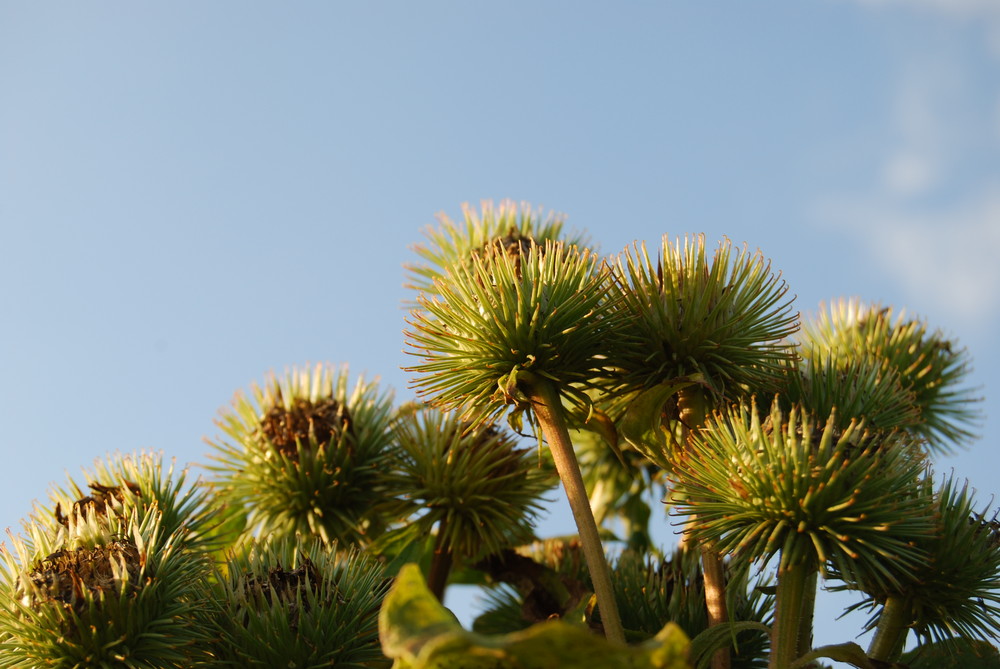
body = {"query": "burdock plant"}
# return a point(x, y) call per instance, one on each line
point(530, 332)
point(810, 494)
point(305, 455)
point(473, 485)
point(701, 332)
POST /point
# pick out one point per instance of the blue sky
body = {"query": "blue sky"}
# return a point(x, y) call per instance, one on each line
point(195, 194)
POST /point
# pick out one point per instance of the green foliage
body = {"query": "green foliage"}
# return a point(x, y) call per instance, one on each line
point(418, 633)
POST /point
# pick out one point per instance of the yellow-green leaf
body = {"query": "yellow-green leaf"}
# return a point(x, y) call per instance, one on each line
point(418, 633)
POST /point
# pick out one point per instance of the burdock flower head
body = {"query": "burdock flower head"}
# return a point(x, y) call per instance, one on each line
point(509, 228)
point(114, 590)
point(305, 454)
point(955, 590)
point(782, 484)
point(473, 485)
point(724, 318)
point(501, 320)
point(699, 331)
point(297, 602)
point(850, 389)
point(927, 365)
point(119, 485)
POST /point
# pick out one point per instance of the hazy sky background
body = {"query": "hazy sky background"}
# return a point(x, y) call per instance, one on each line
point(194, 194)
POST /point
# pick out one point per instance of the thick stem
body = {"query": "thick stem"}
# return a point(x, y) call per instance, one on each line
point(789, 612)
point(890, 635)
point(808, 612)
point(548, 410)
point(715, 598)
point(692, 407)
point(441, 562)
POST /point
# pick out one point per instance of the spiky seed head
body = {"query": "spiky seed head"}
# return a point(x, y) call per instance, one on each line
point(111, 591)
point(119, 484)
point(850, 390)
point(782, 483)
point(955, 590)
point(492, 320)
point(473, 484)
point(305, 453)
point(929, 365)
point(298, 602)
point(725, 318)
point(509, 227)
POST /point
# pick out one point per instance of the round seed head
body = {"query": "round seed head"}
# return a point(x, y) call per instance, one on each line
point(850, 390)
point(955, 590)
point(509, 227)
point(474, 484)
point(305, 454)
point(301, 603)
point(928, 365)
point(724, 318)
point(495, 319)
point(120, 484)
point(814, 493)
point(111, 591)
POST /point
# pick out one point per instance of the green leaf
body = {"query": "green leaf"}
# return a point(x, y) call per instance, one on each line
point(418, 633)
point(640, 425)
point(851, 653)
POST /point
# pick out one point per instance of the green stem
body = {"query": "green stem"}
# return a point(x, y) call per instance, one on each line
point(547, 406)
point(805, 636)
point(437, 578)
point(890, 635)
point(790, 612)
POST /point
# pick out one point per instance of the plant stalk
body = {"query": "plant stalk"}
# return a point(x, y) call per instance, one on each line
point(805, 641)
point(547, 406)
point(791, 601)
point(692, 409)
point(890, 635)
point(437, 578)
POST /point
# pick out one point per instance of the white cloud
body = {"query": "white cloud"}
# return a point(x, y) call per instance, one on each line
point(929, 221)
point(909, 173)
point(948, 257)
